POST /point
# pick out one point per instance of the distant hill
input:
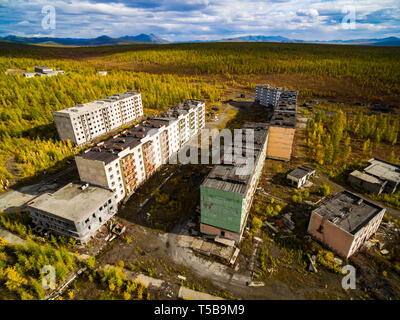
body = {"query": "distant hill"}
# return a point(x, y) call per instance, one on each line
point(260, 39)
point(99, 41)
point(152, 38)
point(390, 41)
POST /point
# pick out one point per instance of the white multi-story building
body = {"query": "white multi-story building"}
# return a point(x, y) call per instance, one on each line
point(84, 122)
point(267, 95)
point(127, 160)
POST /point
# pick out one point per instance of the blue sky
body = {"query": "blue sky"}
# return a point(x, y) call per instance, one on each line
point(181, 20)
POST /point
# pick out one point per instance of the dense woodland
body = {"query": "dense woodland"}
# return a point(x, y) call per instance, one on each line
point(341, 142)
point(166, 75)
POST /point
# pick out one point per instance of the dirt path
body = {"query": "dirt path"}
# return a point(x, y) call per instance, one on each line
point(220, 275)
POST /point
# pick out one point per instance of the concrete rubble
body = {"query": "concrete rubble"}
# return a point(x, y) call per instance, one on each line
point(313, 260)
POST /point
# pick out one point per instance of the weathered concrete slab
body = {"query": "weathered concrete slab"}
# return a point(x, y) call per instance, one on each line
point(216, 250)
point(206, 246)
point(11, 238)
point(196, 244)
point(185, 241)
point(189, 294)
point(226, 253)
point(148, 281)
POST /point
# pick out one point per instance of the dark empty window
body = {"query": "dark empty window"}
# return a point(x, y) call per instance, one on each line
point(320, 229)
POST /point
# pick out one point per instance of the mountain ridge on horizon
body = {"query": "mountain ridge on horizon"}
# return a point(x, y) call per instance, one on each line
point(101, 40)
point(152, 38)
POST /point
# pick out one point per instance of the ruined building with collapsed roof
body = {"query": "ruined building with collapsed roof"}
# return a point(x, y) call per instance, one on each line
point(227, 193)
point(379, 176)
point(345, 222)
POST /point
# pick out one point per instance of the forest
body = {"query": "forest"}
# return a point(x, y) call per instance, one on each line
point(342, 142)
point(166, 75)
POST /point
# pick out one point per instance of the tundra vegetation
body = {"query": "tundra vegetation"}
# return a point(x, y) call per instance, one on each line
point(21, 272)
point(168, 74)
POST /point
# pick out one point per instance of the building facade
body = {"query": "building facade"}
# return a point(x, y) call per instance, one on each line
point(84, 122)
point(344, 222)
point(77, 210)
point(127, 160)
point(227, 193)
point(267, 95)
point(379, 176)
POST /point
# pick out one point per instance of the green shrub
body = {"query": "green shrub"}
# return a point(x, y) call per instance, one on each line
point(325, 190)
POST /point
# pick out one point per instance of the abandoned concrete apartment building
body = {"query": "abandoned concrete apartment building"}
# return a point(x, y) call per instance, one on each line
point(344, 222)
point(77, 210)
point(127, 160)
point(119, 166)
point(227, 193)
point(84, 122)
point(283, 123)
point(123, 163)
point(379, 176)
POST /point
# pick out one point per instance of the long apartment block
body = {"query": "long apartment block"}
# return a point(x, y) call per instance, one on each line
point(283, 122)
point(84, 122)
point(227, 192)
point(281, 135)
point(127, 160)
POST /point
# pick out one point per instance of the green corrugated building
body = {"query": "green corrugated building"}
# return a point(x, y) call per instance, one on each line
point(227, 192)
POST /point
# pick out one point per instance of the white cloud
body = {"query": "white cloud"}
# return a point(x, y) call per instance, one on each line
point(307, 12)
point(202, 19)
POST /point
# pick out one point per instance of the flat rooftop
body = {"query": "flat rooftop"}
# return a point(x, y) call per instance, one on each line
point(348, 211)
point(97, 104)
point(71, 202)
point(283, 119)
point(383, 170)
point(301, 172)
point(85, 108)
point(234, 177)
point(366, 177)
point(163, 118)
point(286, 107)
point(120, 96)
point(268, 86)
point(130, 138)
point(182, 108)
